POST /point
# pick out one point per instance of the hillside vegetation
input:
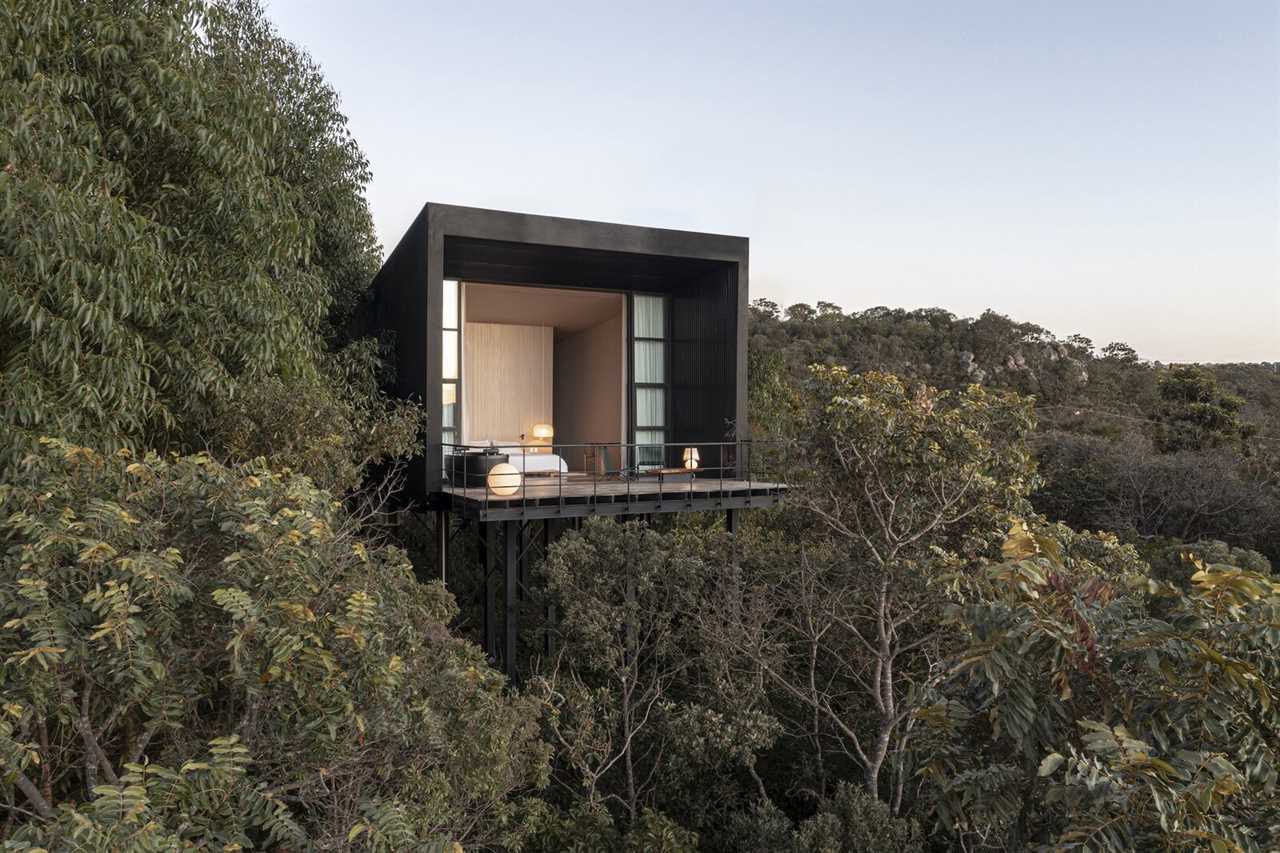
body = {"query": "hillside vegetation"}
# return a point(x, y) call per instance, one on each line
point(1149, 450)
point(1020, 596)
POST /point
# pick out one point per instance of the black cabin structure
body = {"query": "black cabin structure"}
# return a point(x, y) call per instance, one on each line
point(569, 369)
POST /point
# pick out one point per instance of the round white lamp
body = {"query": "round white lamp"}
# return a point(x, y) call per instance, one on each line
point(691, 457)
point(503, 479)
point(542, 432)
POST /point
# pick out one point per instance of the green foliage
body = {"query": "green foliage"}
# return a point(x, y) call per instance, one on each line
point(181, 221)
point(1125, 485)
point(308, 426)
point(1175, 562)
point(761, 828)
point(853, 821)
point(886, 465)
point(588, 829)
point(1194, 414)
point(850, 821)
point(221, 656)
point(147, 807)
point(1094, 707)
point(774, 400)
point(639, 718)
point(155, 607)
point(1224, 418)
point(830, 610)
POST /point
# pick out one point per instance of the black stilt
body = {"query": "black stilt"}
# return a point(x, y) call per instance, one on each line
point(511, 535)
point(489, 548)
point(442, 544)
point(549, 530)
point(524, 542)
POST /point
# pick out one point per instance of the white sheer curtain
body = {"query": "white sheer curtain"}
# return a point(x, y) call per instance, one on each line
point(649, 321)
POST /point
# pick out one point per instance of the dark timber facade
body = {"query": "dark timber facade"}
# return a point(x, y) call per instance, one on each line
point(699, 400)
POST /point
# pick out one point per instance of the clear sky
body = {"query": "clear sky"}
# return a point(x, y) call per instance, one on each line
point(1106, 167)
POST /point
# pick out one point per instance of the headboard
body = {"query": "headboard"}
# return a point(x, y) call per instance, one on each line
point(507, 374)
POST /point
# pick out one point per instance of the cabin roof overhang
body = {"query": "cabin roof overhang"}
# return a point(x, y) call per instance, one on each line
point(494, 245)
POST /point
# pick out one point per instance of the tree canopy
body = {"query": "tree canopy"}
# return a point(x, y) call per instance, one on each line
point(1019, 596)
point(182, 235)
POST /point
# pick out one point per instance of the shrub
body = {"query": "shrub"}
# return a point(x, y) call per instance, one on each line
point(213, 655)
point(853, 821)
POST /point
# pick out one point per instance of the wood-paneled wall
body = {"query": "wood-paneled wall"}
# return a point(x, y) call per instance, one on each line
point(590, 380)
point(507, 376)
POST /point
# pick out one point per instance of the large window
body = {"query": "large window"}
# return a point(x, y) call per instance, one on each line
point(450, 356)
point(649, 378)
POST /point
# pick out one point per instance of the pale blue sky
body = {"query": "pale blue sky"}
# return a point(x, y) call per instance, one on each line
point(1107, 168)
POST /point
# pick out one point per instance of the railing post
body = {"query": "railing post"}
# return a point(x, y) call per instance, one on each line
point(720, 491)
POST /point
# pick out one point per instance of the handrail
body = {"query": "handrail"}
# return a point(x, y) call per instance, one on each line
point(736, 462)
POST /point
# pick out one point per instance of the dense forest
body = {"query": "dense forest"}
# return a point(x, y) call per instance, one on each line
point(1150, 451)
point(1020, 596)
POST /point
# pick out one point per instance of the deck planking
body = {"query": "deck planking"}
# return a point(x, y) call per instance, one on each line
point(582, 496)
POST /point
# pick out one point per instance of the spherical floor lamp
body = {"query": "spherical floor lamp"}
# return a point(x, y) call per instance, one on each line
point(503, 479)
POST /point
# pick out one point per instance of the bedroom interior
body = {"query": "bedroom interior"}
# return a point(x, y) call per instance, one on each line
point(539, 371)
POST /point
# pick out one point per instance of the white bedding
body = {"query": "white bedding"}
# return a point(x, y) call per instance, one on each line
point(535, 463)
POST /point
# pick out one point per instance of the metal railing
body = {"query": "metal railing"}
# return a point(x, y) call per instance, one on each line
point(632, 473)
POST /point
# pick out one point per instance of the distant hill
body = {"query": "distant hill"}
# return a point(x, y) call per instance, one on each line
point(1160, 453)
point(1104, 383)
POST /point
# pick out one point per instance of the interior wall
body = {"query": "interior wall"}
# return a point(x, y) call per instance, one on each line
point(508, 375)
point(590, 382)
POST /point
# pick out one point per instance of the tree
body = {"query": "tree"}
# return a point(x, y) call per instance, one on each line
point(220, 653)
point(899, 487)
point(1194, 414)
point(1125, 485)
point(1120, 352)
point(801, 312)
point(183, 229)
point(633, 706)
point(855, 821)
point(1094, 706)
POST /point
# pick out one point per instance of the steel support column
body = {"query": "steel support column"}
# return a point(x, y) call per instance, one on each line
point(550, 529)
point(511, 541)
point(489, 550)
point(442, 544)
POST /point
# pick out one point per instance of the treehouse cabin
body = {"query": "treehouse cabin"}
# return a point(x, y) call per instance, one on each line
point(571, 369)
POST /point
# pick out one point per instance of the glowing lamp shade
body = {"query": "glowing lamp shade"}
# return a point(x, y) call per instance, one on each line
point(691, 457)
point(543, 431)
point(503, 479)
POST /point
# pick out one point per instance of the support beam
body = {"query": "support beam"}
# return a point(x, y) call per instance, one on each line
point(511, 537)
point(442, 544)
point(489, 552)
point(550, 528)
point(524, 541)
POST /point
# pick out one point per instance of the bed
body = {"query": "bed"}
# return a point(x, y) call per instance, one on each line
point(534, 463)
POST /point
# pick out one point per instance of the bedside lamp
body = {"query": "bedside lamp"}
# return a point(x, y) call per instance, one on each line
point(543, 432)
point(691, 457)
point(503, 479)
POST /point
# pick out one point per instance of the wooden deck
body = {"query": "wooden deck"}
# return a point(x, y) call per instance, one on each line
point(577, 496)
